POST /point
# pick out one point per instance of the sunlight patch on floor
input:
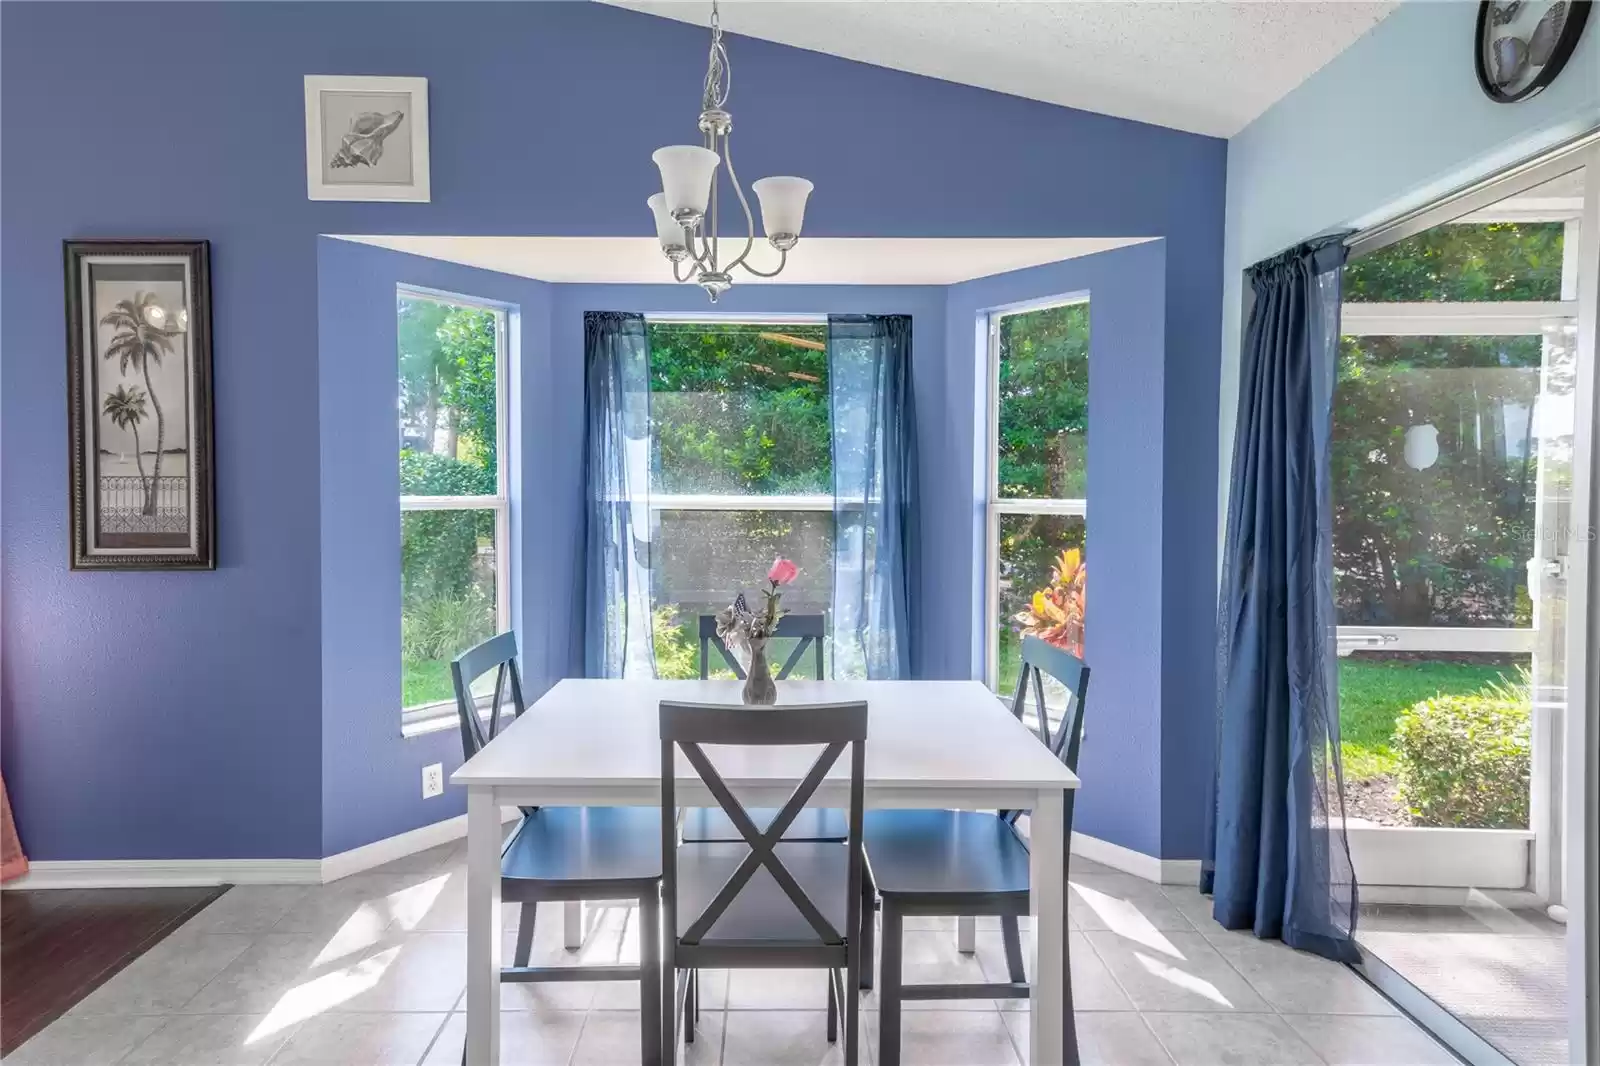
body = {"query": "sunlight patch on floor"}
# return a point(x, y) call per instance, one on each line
point(1186, 981)
point(324, 993)
point(1125, 919)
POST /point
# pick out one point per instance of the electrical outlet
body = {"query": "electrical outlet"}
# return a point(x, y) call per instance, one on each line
point(432, 780)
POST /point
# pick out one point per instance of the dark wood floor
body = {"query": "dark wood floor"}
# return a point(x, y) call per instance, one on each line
point(59, 945)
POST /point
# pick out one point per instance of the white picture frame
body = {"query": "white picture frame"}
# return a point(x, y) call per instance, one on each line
point(366, 138)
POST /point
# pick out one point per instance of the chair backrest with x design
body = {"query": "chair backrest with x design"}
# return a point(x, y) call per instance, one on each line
point(811, 629)
point(498, 653)
point(1038, 659)
point(690, 728)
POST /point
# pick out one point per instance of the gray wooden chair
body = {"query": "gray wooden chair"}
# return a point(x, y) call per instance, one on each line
point(965, 863)
point(568, 853)
point(810, 629)
point(814, 823)
point(765, 901)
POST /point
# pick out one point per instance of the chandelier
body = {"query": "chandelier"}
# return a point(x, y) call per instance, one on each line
point(686, 210)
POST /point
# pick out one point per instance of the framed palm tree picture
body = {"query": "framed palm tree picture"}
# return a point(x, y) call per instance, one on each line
point(142, 480)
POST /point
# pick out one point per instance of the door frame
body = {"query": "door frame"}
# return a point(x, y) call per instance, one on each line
point(1580, 836)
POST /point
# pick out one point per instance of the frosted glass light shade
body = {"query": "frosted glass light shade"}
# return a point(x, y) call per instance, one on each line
point(687, 171)
point(668, 229)
point(783, 204)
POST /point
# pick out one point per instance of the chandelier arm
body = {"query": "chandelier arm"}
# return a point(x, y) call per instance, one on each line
point(783, 259)
point(700, 257)
point(749, 220)
point(687, 277)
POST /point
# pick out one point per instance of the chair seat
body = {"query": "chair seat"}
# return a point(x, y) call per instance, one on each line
point(813, 823)
point(585, 844)
point(943, 853)
point(762, 912)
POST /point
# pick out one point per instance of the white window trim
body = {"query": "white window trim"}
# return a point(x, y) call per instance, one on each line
point(998, 505)
point(441, 714)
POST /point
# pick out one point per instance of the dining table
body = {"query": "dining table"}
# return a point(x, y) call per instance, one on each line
point(930, 745)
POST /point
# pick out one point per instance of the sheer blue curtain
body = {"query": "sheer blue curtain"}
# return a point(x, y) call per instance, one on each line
point(874, 492)
point(1277, 860)
point(617, 639)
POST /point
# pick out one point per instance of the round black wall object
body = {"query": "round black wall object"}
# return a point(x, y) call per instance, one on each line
point(1521, 45)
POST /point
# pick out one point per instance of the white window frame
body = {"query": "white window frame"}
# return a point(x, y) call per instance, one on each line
point(440, 713)
point(818, 503)
point(998, 506)
point(1486, 319)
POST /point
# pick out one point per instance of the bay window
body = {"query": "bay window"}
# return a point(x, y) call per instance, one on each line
point(1037, 510)
point(742, 473)
point(454, 516)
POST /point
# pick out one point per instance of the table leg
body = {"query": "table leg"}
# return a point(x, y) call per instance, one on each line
point(483, 928)
point(966, 934)
point(572, 924)
point(1047, 1020)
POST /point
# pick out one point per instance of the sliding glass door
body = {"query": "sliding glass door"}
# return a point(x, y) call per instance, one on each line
point(1462, 451)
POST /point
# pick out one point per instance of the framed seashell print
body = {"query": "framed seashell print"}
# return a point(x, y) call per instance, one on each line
point(141, 478)
point(1521, 45)
point(366, 138)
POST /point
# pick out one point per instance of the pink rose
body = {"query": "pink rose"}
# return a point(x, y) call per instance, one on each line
point(782, 572)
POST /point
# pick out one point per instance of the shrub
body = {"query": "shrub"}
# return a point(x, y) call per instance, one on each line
point(1464, 760)
point(445, 627)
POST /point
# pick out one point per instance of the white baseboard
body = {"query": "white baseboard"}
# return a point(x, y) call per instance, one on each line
point(187, 873)
point(389, 849)
point(1137, 863)
point(167, 873)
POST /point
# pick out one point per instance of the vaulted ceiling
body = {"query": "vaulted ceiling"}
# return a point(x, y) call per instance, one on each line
point(1207, 66)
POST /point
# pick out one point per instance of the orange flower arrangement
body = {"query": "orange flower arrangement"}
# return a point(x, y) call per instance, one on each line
point(1055, 614)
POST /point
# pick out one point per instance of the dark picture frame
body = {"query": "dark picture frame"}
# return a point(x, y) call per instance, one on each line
point(1484, 40)
point(141, 474)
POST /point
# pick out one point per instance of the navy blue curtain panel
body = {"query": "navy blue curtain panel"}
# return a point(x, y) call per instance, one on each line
point(1277, 860)
point(617, 637)
point(874, 494)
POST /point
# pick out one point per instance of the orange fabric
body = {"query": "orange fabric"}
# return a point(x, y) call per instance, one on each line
point(13, 863)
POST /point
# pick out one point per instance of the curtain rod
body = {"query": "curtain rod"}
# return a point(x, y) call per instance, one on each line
point(1574, 144)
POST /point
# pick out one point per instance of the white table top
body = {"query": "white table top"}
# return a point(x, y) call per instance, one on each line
point(943, 736)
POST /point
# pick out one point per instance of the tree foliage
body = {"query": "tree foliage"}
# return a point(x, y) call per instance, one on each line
point(740, 409)
point(1447, 544)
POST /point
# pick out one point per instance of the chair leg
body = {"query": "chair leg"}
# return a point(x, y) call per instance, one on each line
point(833, 1006)
point(650, 980)
point(691, 1005)
point(889, 990)
point(869, 929)
point(852, 1002)
point(525, 920)
point(1013, 945)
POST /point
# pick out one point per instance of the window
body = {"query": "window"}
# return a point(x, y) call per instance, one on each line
point(1452, 476)
point(1038, 432)
point(742, 473)
point(454, 520)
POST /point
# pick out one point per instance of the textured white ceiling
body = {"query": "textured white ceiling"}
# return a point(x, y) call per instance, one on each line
point(817, 260)
point(1208, 66)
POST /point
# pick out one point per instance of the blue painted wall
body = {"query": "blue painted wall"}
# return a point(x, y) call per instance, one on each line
point(1143, 634)
point(371, 775)
point(194, 702)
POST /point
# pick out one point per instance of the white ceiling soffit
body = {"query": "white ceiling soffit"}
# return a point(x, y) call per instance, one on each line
point(1206, 66)
point(817, 260)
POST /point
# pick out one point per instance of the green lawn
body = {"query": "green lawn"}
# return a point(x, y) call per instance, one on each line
point(424, 682)
point(1373, 694)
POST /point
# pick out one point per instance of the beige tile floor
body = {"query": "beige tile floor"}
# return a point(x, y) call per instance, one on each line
point(370, 971)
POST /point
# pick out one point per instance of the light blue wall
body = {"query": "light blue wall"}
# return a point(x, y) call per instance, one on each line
point(1396, 120)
